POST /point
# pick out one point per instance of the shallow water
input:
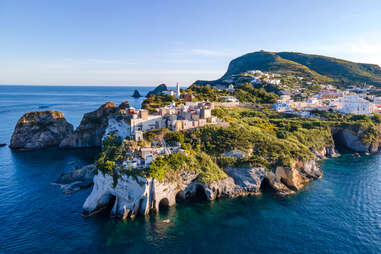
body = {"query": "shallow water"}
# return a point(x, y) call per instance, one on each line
point(340, 213)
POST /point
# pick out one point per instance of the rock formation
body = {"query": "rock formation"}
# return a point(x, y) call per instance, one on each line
point(138, 195)
point(288, 180)
point(76, 179)
point(91, 129)
point(40, 129)
point(351, 139)
point(124, 105)
point(136, 94)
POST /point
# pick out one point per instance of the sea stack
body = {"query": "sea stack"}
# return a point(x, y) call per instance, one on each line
point(136, 94)
point(40, 129)
point(91, 129)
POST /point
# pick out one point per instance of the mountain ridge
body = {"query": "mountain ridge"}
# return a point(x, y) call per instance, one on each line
point(323, 69)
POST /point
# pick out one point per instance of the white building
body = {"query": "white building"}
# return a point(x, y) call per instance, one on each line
point(272, 81)
point(353, 104)
point(231, 99)
point(169, 92)
point(283, 107)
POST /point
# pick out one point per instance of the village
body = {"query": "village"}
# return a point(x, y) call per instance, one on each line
point(295, 100)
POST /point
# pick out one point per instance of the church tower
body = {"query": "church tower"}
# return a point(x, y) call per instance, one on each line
point(178, 90)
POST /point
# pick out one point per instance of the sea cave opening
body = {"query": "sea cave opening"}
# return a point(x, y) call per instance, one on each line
point(180, 197)
point(107, 208)
point(199, 194)
point(164, 204)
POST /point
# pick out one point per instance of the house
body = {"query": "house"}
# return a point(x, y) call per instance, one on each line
point(231, 99)
point(138, 135)
point(187, 97)
point(169, 92)
point(231, 88)
point(205, 113)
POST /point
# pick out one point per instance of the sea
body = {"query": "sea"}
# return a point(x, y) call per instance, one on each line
point(339, 213)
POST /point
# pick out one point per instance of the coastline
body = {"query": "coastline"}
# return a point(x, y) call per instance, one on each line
point(349, 183)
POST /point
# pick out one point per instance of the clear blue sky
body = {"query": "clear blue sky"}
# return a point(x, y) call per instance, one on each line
point(115, 42)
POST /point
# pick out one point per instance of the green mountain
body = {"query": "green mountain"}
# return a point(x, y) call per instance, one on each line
point(314, 67)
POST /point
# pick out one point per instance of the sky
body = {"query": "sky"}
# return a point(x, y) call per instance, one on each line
point(122, 42)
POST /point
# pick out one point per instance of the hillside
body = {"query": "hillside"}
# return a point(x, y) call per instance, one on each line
point(314, 67)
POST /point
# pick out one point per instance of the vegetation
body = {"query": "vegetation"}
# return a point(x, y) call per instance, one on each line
point(169, 167)
point(245, 93)
point(113, 153)
point(154, 101)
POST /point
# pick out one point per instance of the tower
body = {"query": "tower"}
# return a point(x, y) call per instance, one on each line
point(178, 90)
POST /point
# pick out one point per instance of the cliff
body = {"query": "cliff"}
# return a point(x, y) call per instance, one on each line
point(40, 129)
point(91, 129)
point(139, 195)
point(350, 138)
point(287, 180)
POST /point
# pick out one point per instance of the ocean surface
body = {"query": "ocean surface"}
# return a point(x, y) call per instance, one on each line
point(340, 213)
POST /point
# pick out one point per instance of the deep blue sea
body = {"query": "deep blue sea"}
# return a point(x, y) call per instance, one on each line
point(340, 213)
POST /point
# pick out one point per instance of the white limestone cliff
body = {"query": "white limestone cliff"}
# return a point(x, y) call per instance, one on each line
point(138, 195)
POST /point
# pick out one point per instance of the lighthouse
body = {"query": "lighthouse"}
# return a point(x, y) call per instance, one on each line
point(177, 90)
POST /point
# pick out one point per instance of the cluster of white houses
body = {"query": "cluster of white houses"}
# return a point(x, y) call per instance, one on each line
point(331, 99)
point(176, 118)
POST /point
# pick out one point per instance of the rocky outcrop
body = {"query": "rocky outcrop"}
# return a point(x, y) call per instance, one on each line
point(138, 195)
point(240, 182)
point(91, 129)
point(287, 180)
point(40, 129)
point(328, 151)
point(136, 94)
point(124, 105)
point(350, 138)
point(76, 179)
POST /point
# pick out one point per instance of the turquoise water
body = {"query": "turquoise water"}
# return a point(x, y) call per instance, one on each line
point(340, 213)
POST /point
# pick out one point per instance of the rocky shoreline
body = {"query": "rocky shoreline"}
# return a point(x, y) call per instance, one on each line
point(137, 195)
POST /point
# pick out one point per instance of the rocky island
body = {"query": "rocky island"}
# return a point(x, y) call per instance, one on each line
point(38, 130)
point(136, 94)
point(223, 138)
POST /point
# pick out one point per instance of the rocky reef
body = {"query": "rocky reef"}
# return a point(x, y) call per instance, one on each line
point(40, 129)
point(91, 129)
point(76, 179)
point(138, 195)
